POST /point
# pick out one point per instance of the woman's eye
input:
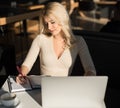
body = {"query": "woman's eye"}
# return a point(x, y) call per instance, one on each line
point(52, 22)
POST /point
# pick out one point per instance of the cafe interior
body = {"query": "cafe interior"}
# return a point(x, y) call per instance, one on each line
point(19, 25)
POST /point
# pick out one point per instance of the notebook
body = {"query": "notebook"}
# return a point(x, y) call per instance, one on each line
point(32, 82)
point(74, 92)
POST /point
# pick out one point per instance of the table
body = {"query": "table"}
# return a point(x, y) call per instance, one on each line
point(21, 13)
point(106, 2)
point(18, 17)
point(28, 99)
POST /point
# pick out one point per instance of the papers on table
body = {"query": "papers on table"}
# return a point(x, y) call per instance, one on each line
point(33, 82)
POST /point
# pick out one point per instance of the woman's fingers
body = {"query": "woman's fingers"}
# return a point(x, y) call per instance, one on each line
point(21, 79)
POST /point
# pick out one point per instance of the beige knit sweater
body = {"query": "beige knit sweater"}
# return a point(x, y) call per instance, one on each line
point(50, 64)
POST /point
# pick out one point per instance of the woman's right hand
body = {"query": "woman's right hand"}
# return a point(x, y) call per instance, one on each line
point(21, 79)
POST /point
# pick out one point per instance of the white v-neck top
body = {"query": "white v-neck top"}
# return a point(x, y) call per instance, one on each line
point(53, 66)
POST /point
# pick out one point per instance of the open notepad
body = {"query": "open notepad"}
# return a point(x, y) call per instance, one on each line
point(33, 82)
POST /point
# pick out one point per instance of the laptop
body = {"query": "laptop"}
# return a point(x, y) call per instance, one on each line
point(74, 92)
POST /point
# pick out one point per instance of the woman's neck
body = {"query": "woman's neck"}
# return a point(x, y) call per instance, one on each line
point(58, 37)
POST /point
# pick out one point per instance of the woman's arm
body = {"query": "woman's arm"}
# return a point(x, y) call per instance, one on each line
point(85, 57)
point(24, 70)
point(32, 54)
point(90, 73)
point(29, 60)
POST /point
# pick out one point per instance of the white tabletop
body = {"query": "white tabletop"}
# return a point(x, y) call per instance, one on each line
point(28, 99)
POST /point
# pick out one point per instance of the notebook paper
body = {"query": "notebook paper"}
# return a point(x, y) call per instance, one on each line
point(32, 82)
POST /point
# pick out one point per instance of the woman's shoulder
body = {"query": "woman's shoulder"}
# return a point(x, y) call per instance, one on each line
point(80, 41)
point(41, 37)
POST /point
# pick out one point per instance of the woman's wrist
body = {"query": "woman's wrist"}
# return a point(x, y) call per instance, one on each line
point(24, 70)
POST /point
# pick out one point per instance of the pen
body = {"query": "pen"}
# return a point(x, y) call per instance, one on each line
point(19, 70)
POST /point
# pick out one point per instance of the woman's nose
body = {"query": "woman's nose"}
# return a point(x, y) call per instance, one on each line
point(49, 26)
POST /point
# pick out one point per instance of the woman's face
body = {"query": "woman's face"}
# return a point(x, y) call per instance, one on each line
point(52, 25)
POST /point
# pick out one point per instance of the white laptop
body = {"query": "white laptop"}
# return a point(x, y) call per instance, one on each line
point(74, 92)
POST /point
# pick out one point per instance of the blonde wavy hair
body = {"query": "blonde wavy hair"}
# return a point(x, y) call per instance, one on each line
point(62, 17)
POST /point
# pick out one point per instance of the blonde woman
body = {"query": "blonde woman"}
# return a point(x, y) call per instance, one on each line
point(56, 46)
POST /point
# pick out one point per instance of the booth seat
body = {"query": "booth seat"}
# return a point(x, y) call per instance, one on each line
point(105, 51)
